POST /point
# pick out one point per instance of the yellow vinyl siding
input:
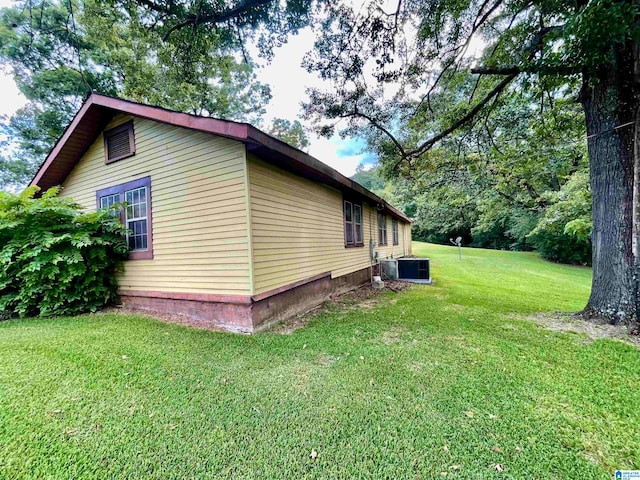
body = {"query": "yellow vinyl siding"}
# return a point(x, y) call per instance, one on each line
point(390, 250)
point(407, 238)
point(297, 229)
point(199, 206)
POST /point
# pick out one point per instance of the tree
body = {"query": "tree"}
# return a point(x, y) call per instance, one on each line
point(369, 178)
point(509, 165)
point(389, 64)
point(292, 133)
point(564, 230)
point(59, 51)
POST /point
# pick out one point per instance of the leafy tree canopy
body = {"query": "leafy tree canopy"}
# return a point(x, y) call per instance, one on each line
point(290, 132)
point(391, 60)
point(499, 182)
point(161, 53)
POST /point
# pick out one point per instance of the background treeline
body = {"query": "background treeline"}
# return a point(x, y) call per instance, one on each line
point(517, 179)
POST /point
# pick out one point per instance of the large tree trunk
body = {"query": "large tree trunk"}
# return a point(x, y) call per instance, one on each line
point(610, 101)
point(634, 325)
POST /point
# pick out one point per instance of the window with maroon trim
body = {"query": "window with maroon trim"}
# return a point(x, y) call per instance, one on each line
point(131, 202)
point(352, 224)
point(394, 226)
point(382, 229)
point(119, 142)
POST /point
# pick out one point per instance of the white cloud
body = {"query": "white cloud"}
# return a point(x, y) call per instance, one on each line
point(287, 78)
point(328, 151)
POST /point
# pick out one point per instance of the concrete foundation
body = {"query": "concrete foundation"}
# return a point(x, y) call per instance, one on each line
point(244, 313)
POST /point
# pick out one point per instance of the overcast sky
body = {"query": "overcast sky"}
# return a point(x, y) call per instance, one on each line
point(288, 82)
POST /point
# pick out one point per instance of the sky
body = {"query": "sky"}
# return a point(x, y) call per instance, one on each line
point(288, 81)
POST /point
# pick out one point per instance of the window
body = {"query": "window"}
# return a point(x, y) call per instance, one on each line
point(382, 229)
point(357, 216)
point(136, 218)
point(394, 226)
point(119, 142)
point(136, 214)
point(352, 224)
point(348, 223)
point(110, 202)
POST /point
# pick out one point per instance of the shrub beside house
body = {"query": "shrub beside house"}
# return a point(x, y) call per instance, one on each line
point(56, 259)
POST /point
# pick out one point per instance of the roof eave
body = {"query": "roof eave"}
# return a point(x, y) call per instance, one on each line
point(243, 132)
point(307, 160)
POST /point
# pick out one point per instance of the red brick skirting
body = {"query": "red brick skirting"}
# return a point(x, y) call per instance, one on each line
point(243, 313)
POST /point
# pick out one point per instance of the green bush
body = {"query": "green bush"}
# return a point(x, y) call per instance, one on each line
point(563, 233)
point(55, 259)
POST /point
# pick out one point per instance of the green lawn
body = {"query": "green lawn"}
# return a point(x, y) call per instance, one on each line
point(442, 378)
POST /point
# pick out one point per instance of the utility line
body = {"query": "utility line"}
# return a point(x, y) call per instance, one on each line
point(610, 130)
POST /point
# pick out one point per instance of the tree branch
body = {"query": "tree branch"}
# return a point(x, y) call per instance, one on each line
point(534, 68)
point(459, 51)
point(195, 19)
point(377, 125)
point(428, 144)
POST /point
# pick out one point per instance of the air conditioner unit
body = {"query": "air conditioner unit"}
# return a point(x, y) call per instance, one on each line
point(389, 269)
point(415, 269)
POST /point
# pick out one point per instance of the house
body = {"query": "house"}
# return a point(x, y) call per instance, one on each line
point(227, 224)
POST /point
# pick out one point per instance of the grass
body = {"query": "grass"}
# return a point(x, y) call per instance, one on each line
point(445, 378)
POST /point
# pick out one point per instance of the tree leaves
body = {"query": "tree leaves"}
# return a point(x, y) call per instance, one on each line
point(61, 51)
point(292, 133)
point(54, 259)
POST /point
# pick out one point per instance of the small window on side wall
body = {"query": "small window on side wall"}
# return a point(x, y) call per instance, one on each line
point(136, 214)
point(352, 214)
point(396, 236)
point(119, 142)
point(357, 223)
point(382, 229)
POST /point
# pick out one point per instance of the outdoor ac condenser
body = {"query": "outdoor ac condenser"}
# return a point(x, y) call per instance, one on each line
point(389, 269)
point(414, 269)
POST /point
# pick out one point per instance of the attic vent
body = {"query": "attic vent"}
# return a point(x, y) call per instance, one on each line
point(119, 142)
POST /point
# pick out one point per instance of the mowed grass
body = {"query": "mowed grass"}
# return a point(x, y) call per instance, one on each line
point(441, 381)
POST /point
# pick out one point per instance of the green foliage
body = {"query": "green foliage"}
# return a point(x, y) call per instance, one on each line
point(493, 181)
point(563, 232)
point(417, 46)
point(290, 132)
point(54, 259)
point(502, 225)
point(448, 210)
point(393, 191)
point(418, 76)
point(369, 178)
point(60, 51)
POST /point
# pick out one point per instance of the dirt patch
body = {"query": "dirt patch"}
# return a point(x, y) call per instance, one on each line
point(325, 360)
point(394, 335)
point(365, 297)
point(563, 322)
point(185, 320)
